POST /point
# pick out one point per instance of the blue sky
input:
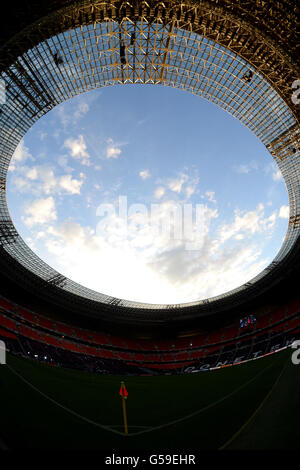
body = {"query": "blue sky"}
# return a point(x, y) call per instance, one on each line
point(152, 145)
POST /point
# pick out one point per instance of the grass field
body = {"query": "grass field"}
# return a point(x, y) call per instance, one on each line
point(46, 407)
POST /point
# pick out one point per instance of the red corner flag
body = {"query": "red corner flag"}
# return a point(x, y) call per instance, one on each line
point(123, 392)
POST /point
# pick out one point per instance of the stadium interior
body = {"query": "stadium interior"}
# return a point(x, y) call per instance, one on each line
point(59, 335)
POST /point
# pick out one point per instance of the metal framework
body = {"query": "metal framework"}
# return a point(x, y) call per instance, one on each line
point(207, 48)
point(8, 233)
point(58, 281)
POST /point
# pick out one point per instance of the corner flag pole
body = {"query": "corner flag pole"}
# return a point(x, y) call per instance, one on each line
point(124, 394)
point(125, 415)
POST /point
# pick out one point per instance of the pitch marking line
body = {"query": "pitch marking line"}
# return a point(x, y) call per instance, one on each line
point(148, 429)
point(255, 412)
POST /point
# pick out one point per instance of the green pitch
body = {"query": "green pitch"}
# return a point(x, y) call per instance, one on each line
point(53, 408)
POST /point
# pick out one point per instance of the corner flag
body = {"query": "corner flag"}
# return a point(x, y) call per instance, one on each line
point(124, 394)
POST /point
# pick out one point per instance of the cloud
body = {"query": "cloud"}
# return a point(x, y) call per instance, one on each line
point(177, 183)
point(32, 174)
point(21, 154)
point(41, 211)
point(284, 212)
point(80, 111)
point(71, 113)
point(62, 160)
point(71, 186)
point(191, 187)
point(184, 185)
point(277, 175)
point(246, 168)
point(123, 258)
point(113, 150)
point(269, 222)
point(43, 135)
point(144, 174)
point(74, 234)
point(78, 149)
point(275, 172)
point(47, 179)
point(204, 273)
point(189, 190)
point(211, 196)
point(185, 275)
point(42, 179)
point(159, 192)
point(249, 223)
point(22, 184)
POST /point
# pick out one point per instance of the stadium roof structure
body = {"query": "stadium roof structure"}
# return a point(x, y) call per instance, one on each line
point(240, 55)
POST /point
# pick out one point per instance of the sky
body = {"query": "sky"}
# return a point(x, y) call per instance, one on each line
point(149, 194)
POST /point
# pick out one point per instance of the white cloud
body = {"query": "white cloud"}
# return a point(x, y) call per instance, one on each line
point(40, 235)
point(284, 212)
point(43, 135)
point(32, 174)
point(74, 234)
point(159, 192)
point(42, 179)
point(277, 176)
point(71, 113)
point(21, 154)
point(144, 174)
point(22, 184)
point(189, 190)
point(40, 211)
point(78, 149)
point(184, 275)
point(275, 172)
point(249, 223)
point(71, 186)
point(112, 150)
point(211, 196)
point(269, 222)
point(47, 179)
point(123, 259)
point(191, 187)
point(63, 162)
point(177, 183)
point(246, 168)
point(81, 110)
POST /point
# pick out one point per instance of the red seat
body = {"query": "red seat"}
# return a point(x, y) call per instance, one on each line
point(8, 323)
point(278, 315)
point(264, 321)
point(294, 307)
point(7, 334)
point(293, 323)
point(26, 314)
point(45, 323)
